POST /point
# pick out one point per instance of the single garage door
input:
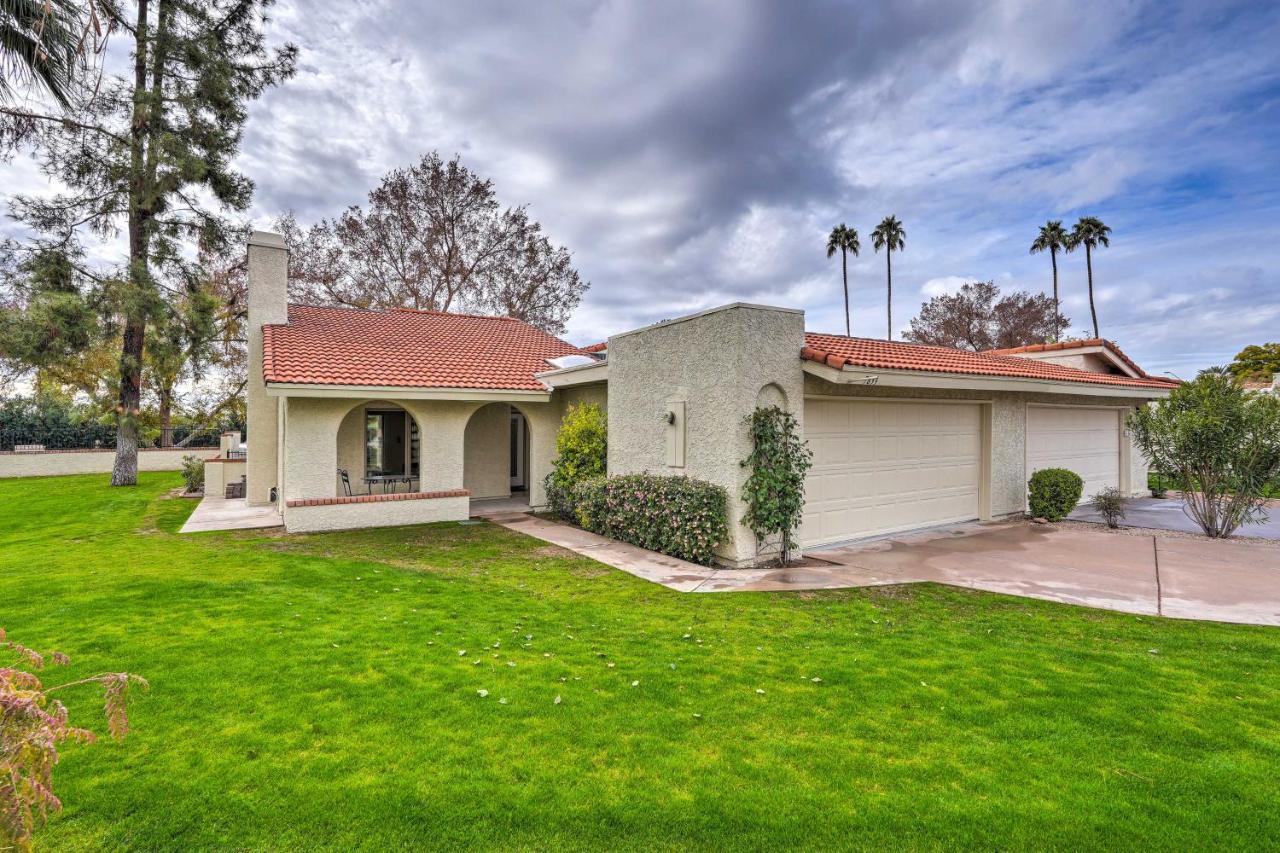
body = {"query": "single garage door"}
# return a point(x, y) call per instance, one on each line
point(881, 467)
point(1086, 441)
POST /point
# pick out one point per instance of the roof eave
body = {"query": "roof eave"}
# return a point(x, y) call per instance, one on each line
point(856, 375)
point(579, 374)
point(399, 392)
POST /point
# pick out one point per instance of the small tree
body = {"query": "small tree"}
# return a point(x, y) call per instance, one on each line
point(774, 491)
point(32, 724)
point(582, 450)
point(1221, 445)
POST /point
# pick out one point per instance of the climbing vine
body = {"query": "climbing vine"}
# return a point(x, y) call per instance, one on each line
point(774, 491)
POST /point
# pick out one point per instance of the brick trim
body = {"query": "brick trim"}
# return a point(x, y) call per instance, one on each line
point(373, 499)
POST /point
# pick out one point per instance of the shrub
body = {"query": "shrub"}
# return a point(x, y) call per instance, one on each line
point(673, 515)
point(1054, 492)
point(1221, 445)
point(32, 724)
point(193, 473)
point(582, 450)
point(1110, 505)
point(774, 491)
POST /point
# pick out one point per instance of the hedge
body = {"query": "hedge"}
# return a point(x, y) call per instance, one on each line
point(1053, 493)
point(678, 516)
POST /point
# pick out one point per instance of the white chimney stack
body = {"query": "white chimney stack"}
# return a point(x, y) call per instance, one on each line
point(268, 305)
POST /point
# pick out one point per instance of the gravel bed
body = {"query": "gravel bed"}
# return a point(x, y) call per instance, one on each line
point(1071, 524)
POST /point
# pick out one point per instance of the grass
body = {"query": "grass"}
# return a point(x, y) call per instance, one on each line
point(309, 692)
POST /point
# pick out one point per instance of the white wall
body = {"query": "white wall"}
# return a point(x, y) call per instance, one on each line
point(53, 463)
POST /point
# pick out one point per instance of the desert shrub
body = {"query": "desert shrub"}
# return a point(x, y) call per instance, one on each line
point(32, 725)
point(1221, 445)
point(774, 491)
point(1054, 492)
point(673, 515)
point(193, 473)
point(582, 449)
point(1109, 503)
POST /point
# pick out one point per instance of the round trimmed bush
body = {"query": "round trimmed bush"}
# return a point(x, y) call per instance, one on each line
point(1054, 492)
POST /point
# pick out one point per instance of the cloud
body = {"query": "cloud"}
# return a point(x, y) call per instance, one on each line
point(693, 154)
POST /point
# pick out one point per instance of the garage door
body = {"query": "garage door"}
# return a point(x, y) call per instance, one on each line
point(881, 467)
point(1086, 441)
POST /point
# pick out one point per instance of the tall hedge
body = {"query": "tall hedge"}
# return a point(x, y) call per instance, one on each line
point(582, 450)
point(673, 515)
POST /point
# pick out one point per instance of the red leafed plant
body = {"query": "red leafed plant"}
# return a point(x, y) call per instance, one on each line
point(32, 724)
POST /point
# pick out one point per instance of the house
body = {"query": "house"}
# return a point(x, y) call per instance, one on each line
point(454, 409)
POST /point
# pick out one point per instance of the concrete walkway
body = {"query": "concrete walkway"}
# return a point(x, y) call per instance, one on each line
point(1167, 514)
point(1183, 578)
point(218, 513)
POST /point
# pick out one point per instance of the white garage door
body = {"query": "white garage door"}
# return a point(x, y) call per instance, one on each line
point(881, 467)
point(1086, 441)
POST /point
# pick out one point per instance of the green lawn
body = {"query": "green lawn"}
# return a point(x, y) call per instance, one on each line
point(309, 691)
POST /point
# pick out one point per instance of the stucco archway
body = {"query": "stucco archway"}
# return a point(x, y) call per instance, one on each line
point(379, 438)
point(496, 452)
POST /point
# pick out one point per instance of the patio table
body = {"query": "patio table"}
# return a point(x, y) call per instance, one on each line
point(389, 481)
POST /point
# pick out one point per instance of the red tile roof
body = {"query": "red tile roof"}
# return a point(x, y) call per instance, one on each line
point(407, 348)
point(1066, 345)
point(838, 350)
point(600, 347)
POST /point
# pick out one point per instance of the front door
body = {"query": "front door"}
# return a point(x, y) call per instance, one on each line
point(519, 432)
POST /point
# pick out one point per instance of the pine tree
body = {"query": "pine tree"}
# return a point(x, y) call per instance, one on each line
point(149, 152)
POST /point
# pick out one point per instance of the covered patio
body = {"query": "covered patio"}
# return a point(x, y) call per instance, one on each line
point(401, 457)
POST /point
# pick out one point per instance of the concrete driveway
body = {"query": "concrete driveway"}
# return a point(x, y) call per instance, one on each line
point(1183, 578)
point(1167, 514)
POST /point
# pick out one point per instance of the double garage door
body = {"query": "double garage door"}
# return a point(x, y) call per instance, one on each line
point(881, 467)
point(887, 466)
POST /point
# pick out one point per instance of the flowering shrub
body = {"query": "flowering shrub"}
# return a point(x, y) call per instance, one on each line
point(581, 452)
point(31, 727)
point(774, 491)
point(683, 517)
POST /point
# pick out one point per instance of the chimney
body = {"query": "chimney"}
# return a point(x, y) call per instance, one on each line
point(268, 305)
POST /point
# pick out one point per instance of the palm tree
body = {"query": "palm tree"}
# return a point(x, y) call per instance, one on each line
point(1091, 233)
point(892, 237)
point(41, 41)
point(844, 240)
point(1052, 238)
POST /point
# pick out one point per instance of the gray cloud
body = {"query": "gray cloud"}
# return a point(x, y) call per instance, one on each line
point(691, 154)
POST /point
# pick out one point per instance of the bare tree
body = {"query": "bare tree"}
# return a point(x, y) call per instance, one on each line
point(435, 237)
point(978, 318)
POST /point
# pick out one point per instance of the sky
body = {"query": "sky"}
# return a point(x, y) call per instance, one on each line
point(695, 154)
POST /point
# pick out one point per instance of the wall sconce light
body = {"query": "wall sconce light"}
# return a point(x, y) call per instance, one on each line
point(669, 417)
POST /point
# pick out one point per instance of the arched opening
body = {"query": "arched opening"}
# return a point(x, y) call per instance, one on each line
point(496, 453)
point(379, 449)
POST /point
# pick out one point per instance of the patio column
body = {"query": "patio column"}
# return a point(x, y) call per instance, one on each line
point(544, 422)
point(310, 450)
point(442, 431)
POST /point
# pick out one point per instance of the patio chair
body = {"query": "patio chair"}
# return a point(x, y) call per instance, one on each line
point(346, 481)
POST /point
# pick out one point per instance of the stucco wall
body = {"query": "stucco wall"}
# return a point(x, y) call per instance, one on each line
point(56, 463)
point(1008, 431)
point(487, 463)
point(351, 455)
point(597, 393)
point(309, 519)
point(717, 363)
point(219, 472)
